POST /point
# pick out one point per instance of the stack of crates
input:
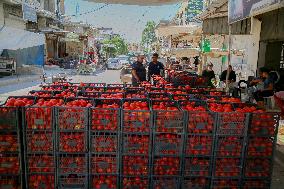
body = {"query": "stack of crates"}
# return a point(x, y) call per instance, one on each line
point(229, 149)
point(136, 147)
point(261, 142)
point(168, 140)
point(198, 151)
point(10, 149)
point(39, 140)
point(72, 147)
point(104, 144)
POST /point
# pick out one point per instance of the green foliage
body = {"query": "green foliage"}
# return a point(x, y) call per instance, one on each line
point(115, 46)
point(148, 36)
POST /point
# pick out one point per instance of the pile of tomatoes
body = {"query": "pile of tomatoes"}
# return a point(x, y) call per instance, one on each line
point(94, 89)
point(115, 89)
point(19, 102)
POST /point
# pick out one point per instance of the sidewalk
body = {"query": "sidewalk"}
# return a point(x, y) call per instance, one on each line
point(16, 79)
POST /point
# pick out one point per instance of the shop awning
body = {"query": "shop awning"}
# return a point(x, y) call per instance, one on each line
point(136, 2)
point(14, 39)
point(165, 31)
point(184, 52)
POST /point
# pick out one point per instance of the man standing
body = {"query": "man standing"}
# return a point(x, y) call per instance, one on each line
point(138, 71)
point(155, 67)
point(209, 74)
point(232, 75)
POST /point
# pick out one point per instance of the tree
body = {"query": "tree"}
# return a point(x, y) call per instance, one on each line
point(115, 46)
point(148, 36)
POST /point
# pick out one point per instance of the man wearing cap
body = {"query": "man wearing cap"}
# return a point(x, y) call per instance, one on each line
point(155, 67)
point(209, 74)
point(138, 71)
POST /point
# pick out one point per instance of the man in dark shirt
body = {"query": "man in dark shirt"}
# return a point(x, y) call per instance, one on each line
point(138, 71)
point(209, 74)
point(232, 75)
point(155, 67)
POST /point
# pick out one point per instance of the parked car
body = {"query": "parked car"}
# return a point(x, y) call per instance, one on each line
point(114, 64)
point(124, 60)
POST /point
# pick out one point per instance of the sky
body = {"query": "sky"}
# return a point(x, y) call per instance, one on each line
point(126, 20)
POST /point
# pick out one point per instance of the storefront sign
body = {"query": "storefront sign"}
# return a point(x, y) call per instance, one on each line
point(280, 136)
point(241, 9)
point(12, 10)
point(29, 11)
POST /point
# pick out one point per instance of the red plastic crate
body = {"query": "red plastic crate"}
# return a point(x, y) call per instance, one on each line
point(39, 141)
point(104, 164)
point(169, 121)
point(9, 164)
point(199, 145)
point(229, 146)
point(39, 118)
point(43, 181)
point(104, 181)
point(231, 124)
point(168, 144)
point(227, 167)
point(41, 163)
point(135, 165)
point(197, 166)
point(256, 183)
point(135, 182)
point(103, 142)
point(72, 142)
point(73, 164)
point(73, 181)
point(136, 144)
point(258, 167)
point(9, 143)
point(166, 166)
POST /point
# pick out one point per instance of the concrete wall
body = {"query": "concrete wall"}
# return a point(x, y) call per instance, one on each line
point(10, 20)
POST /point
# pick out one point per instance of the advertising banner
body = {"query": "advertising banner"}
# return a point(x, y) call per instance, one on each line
point(29, 10)
point(241, 9)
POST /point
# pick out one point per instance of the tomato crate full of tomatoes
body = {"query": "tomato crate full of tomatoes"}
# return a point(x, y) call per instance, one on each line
point(104, 164)
point(104, 181)
point(260, 147)
point(106, 115)
point(94, 89)
point(166, 166)
point(184, 97)
point(197, 166)
point(168, 117)
point(135, 93)
point(72, 142)
point(168, 144)
point(159, 96)
point(256, 183)
point(138, 182)
point(11, 182)
point(112, 95)
point(196, 182)
point(229, 146)
point(90, 84)
point(136, 116)
point(9, 142)
point(72, 163)
point(226, 183)
point(65, 93)
point(104, 142)
point(41, 93)
point(227, 167)
point(258, 168)
point(263, 124)
point(136, 144)
point(199, 121)
point(135, 165)
point(44, 181)
point(199, 145)
point(165, 182)
point(40, 163)
point(39, 141)
point(73, 181)
point(115, 89)
point(89, 94)
point(10, 164)
point(9, 118)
